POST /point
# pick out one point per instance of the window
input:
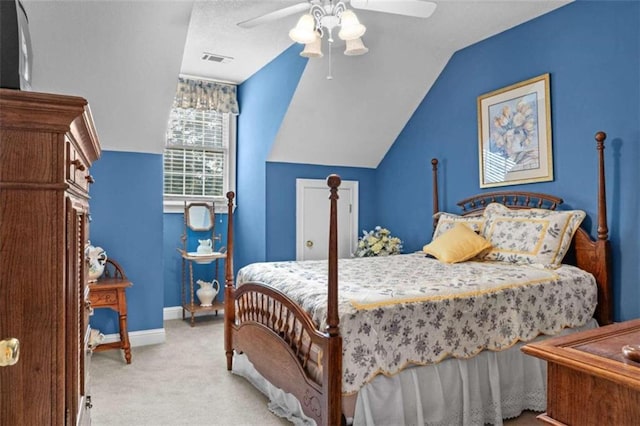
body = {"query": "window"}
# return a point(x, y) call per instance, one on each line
point(199, 157)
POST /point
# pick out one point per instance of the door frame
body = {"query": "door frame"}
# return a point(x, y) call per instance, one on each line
point(301, 184)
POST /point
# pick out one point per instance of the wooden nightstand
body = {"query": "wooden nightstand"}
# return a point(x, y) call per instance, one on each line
point(589, 381)
point(109, 292)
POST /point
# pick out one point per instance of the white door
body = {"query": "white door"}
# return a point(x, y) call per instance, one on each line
point(312, 219)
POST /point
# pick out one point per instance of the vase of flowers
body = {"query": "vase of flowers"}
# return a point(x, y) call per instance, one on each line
point(378, 242)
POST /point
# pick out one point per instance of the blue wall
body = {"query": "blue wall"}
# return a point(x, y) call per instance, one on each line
point(126, 213)
point(264, 99)
point(591, 50)
point(281, 208)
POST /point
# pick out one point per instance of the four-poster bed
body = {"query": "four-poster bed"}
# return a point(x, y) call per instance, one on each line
point(305, 353)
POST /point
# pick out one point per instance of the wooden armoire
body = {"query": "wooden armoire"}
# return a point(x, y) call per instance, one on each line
point(47, 145)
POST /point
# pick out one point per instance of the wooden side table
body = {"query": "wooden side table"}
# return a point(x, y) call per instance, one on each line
point(589, 381)
point(109, 292)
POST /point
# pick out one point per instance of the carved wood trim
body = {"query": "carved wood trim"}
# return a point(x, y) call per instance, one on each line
point(278, 363)
point(113, 269)
point(513, 199)
point(267, 321)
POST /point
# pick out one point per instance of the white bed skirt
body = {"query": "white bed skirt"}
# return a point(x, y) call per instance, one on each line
point(487, 388)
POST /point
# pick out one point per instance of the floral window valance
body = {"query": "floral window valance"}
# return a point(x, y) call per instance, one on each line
point(206, 96)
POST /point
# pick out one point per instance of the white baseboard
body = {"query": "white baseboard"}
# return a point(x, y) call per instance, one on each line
point(140, 338)
point(153, 336)
point(172, 312)
point(175, 312)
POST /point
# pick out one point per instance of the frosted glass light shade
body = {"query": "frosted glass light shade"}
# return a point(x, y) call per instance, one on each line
point(313, 49)
point(304, 31)
point(350, 27)
point(355, 48)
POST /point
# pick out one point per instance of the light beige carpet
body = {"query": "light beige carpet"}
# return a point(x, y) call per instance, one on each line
point(182, 382)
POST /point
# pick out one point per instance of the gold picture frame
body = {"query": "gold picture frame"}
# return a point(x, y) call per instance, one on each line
point(514, 134)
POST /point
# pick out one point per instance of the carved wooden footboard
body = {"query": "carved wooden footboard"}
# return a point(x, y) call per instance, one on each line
point(281, 340)
point(267, 322)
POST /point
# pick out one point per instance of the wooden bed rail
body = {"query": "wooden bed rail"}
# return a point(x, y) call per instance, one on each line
point(593, 256)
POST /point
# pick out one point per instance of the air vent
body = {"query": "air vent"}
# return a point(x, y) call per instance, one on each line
point(206, 56)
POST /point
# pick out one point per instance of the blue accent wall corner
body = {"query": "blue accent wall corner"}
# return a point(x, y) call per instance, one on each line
point(126, 213)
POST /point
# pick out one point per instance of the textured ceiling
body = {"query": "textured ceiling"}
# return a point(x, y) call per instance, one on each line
point(124, 57)
point(213, 29)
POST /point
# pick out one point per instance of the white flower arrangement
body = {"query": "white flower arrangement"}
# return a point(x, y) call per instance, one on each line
point(378, 242)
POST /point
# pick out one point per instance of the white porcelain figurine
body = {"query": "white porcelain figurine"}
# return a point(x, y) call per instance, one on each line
point(97, 258)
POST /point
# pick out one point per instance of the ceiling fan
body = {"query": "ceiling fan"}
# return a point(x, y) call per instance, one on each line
point(415, 8)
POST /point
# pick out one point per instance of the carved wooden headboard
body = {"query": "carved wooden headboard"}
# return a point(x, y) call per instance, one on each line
point(593, 256)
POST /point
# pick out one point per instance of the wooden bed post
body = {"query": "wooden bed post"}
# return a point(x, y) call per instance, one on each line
point(603, 230)
point(332, 370)
point(229, 308)
point(605, 302)
point(436, 207)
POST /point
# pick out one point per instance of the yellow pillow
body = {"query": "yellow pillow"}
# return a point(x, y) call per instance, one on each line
point(458, 244)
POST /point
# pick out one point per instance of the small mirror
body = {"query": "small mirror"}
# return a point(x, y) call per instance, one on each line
point(199, 216)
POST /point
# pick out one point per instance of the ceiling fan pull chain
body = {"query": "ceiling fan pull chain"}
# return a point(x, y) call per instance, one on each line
point(330, 76)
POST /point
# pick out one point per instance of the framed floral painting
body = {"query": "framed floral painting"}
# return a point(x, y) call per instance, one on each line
point(514, 132)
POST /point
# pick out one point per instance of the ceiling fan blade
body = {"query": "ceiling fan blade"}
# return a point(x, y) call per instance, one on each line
point(276, 14)
point(415, 8)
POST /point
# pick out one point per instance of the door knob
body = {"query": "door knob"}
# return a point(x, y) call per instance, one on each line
point(309, 243)
point(9, 352)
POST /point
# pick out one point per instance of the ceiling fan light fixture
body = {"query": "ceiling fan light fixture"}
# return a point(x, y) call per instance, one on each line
point(355, 48)
point(322, 17)
point(304, 31)
point(313, 49)
point(350, 27)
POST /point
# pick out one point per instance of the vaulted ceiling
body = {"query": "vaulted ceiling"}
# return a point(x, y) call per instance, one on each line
point(125, 57)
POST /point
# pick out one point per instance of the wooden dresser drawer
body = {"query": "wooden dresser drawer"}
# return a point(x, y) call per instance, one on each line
point(77, 170)
point(104, 298)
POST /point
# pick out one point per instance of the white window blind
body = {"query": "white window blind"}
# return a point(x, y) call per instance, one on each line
point(196, 156)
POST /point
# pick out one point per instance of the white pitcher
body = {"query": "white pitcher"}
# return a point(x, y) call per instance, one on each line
point(205, 246)
point(207, 292)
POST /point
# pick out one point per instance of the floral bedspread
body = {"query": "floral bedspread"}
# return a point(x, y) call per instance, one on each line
point(397, 311)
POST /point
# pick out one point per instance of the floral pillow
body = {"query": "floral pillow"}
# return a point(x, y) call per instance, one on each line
point(534, 236)
point(447, 221)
